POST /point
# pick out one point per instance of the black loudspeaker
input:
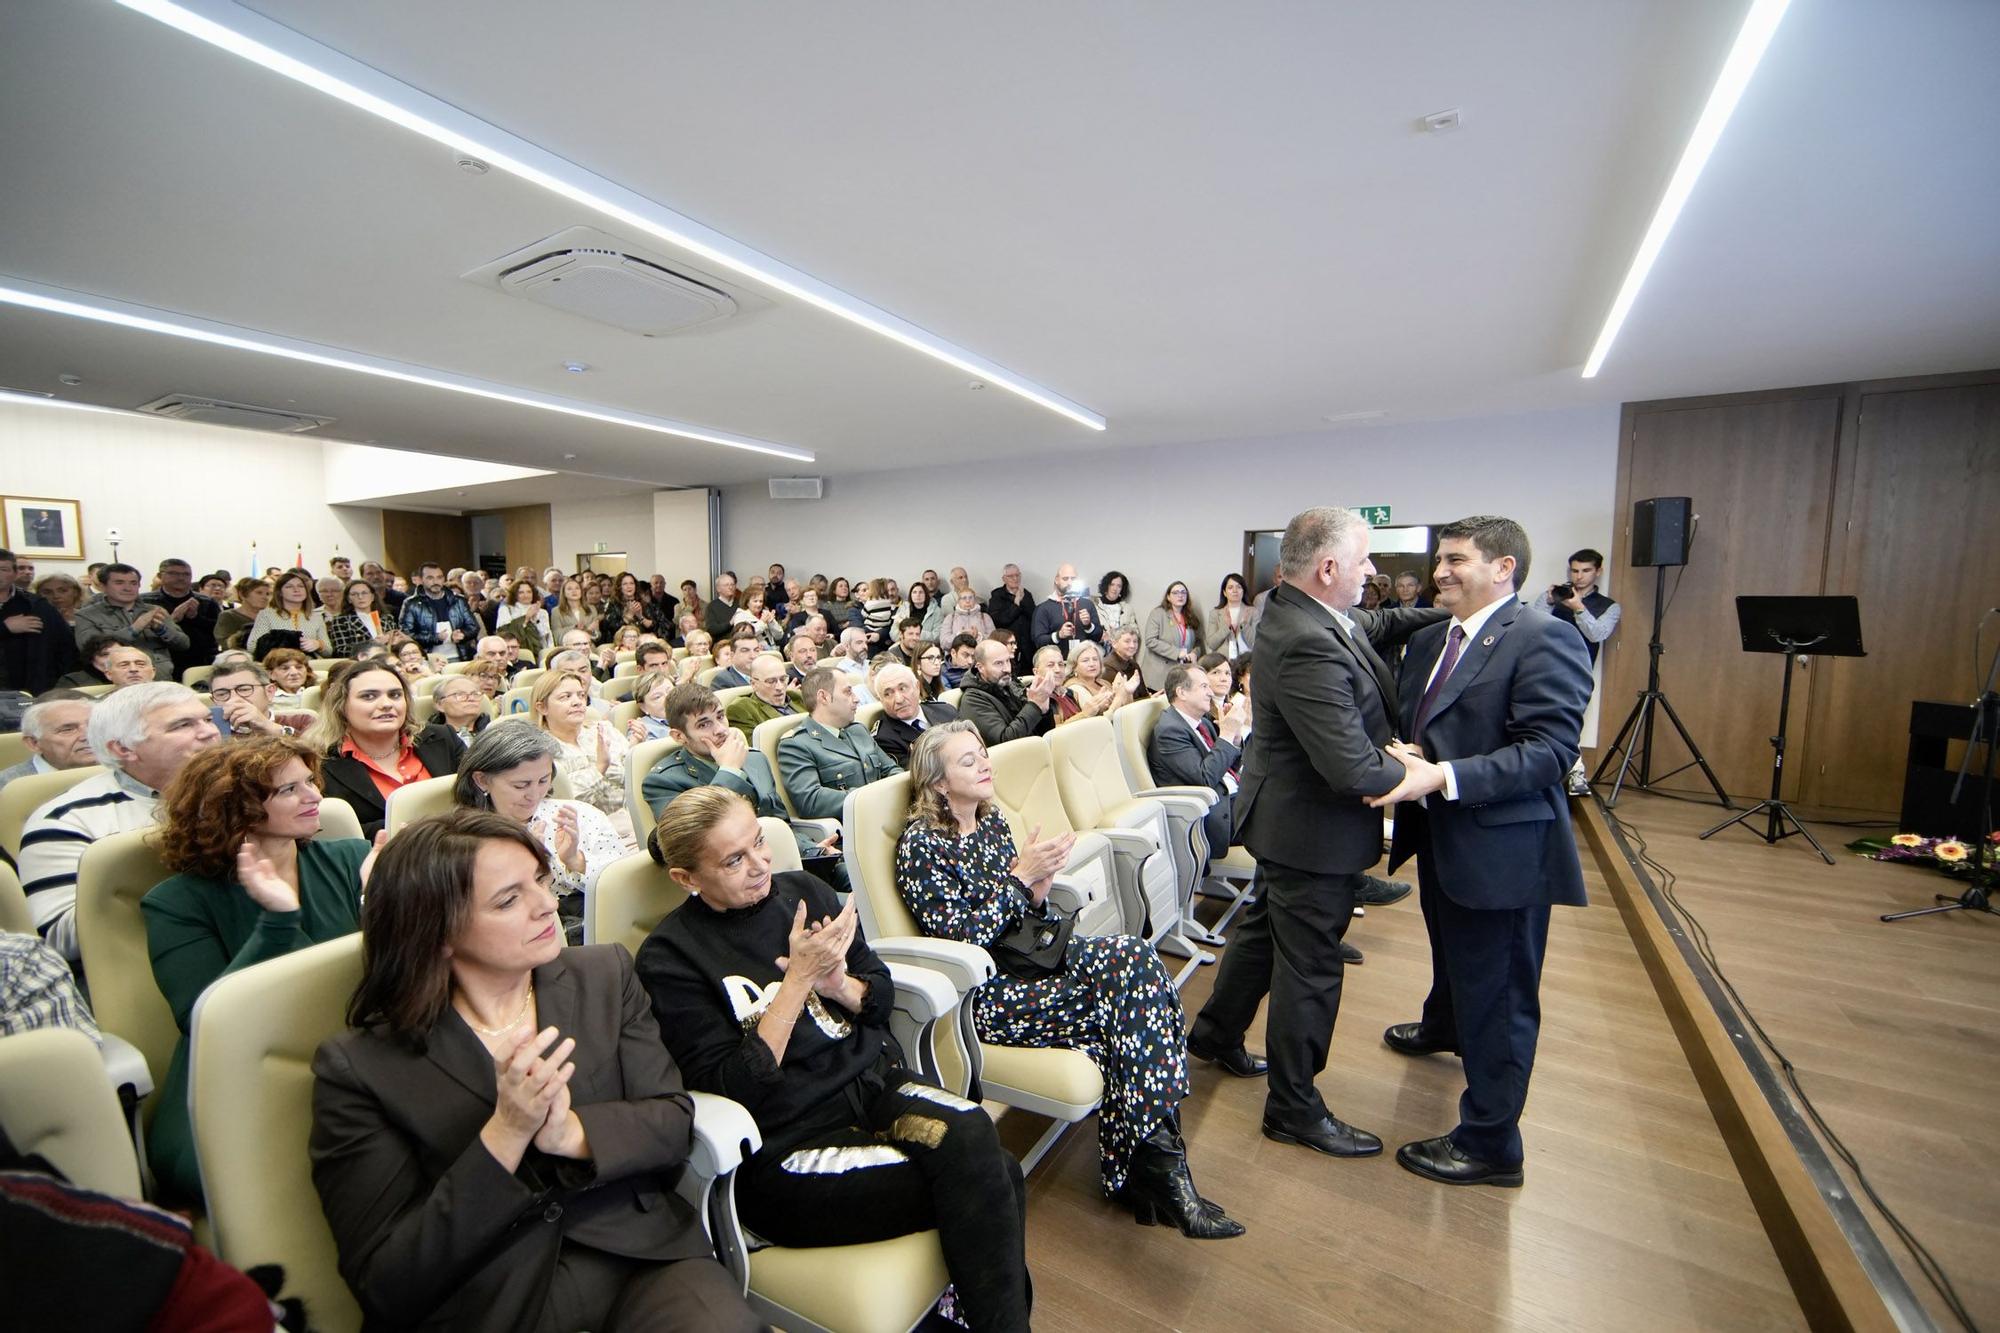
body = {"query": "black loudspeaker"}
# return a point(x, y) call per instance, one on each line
point(1660, 531)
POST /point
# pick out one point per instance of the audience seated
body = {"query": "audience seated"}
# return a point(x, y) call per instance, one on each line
point(437, 618)
point(905, 715)
point(963, 878)
point(997, 705)
point(1070, 616)
point(509, 771)
point(38, 990)
point(829, 754)
point(1173, 634)
point(461, 705)
point(143, 734)
point(545, 1200)
point(250, 882)
point(1096, 693)
point(55, 728)
point(241, 703)
point(37, 645)
point(909, 642)
point(411, 659)
point(856, 1147)
point(958, 661)
point(590, 752)
point(195, 614)
point(120, 612)
point(930, 671)
point(371, 748)
point(361, 620)
point(1121, 659)
point(726, 653)
point(291, 676)
point(1221, 673)
point(1232, 626)
point(771, 695)
point(1190, 749)
point(650, 694)
point(504, 654)
point(109, 659)
point(524, 611)
point(802, 655)
point(290, 621)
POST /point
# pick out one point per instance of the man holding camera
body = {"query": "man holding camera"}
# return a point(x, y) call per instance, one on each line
point(1595, 617)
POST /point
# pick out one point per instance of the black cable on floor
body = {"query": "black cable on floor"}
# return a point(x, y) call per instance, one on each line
point(1689, 799)
point(1927, 1263)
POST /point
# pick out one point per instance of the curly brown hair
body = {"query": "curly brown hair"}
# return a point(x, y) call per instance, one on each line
point(217, 800)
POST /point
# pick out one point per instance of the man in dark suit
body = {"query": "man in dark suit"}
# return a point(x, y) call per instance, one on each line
point(1320, 717)
point(904, 717)
point(1496, 699)
point(1188, 750)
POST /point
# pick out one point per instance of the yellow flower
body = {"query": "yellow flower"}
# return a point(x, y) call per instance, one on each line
point(1950, 851)
point(1908, 840)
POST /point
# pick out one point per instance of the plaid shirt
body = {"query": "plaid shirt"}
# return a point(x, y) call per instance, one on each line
point(37, 990)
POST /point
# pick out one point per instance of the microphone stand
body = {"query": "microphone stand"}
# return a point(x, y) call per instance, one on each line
point(1985, 728)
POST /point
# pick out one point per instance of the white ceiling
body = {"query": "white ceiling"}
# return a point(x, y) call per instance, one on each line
point(1203, 221)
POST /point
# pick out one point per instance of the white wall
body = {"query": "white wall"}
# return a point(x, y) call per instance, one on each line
point(360, 473)
point(176, 488)
point(621, 522)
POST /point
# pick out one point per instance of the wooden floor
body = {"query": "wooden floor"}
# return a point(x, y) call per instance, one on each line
point(1895, 1029)
point(1632, 1217)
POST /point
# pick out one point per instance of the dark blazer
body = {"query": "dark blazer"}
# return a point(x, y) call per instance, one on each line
point(897, 738)
point(35, 661)
point(1323, 708)
point(432, 1232)
point(1178, 758)
point(437, 745)
point(1507, 719)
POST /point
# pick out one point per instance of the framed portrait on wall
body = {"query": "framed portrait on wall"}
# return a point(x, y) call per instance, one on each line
point(38, 527)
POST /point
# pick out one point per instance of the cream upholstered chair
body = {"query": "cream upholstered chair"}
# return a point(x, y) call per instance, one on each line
point(730, 695)
point(618, 689)
point(97, 691)
point(1024, 787)
point(309, 698)
point(514, 701)
point(868, 715)
point(337, 819)
point(459, 668)
point(13, 749)
point(56, 1102)
point(197, 677)
point(115, 873)
point(526, 679)
point(1231, 876)
point(1149, 837)
point(622, 715)
point(640, 760)
point(628, 665)
point(764, 739)
point(952, 696)
point(326, 666)
point(432, 796)
point(1063, 1085)
point(23, 796)
point(702, 661)
point(635, 892)
point(707, 675)
point(15, 918)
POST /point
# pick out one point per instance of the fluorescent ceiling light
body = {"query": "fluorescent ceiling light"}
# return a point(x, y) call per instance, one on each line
point(80, 305)
point(242, 32)
point(1759, 26)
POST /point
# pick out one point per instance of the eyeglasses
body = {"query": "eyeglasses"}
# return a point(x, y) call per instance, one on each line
point(454, 696)
point(931, 657)
point(236, 691)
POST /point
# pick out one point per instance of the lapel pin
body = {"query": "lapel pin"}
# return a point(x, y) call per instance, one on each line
point(1487, 642)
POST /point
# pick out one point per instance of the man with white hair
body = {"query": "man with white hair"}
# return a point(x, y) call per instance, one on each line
point(503, 653)
point(905, 714)
point(143, 734)
point(54, 729)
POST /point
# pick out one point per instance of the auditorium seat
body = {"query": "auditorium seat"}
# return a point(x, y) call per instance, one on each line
point(56, 1102)
point(514, 700)
point(764, 739)
point(432, 796)
point(197, 677)
point(707, 675)
point(1230, 876)
point(640, 760)
point(951, 696)
point(1024, 787)
point(96, 691)
point(635, 892)
point(618, 689)
point(309, 698)
point(459, 668)
point(702, 661)
point(628, 665)
point(622, 715)
point(728, 696)
point(13, 749)
point(23, 796)
point(868, 715)
point(1063, 1085)
point(15, 918)
point(322, 666)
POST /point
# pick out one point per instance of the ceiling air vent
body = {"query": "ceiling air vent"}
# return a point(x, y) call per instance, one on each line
point(218, 412)
point(590, 273)
point(795, 488)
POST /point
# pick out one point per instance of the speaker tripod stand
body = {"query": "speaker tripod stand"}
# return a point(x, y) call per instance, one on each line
point(1633, 746)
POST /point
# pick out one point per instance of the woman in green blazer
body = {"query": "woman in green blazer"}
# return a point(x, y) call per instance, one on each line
point(238, 825)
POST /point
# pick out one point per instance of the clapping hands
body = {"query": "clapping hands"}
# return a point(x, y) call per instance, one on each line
point(1038, 863)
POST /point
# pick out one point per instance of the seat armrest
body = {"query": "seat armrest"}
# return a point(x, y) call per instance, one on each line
point(821, 829)
point(1068, 896)
point(966, 965)
point(1202, 794)
point(1184, 808)
point(1138, 813)
point(1130, 841)
point(724, 1134)
point(126, 1066)
point(923, 993)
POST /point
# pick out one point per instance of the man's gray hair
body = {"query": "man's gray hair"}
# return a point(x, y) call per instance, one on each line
point(574, 656)
point(890, 670)
point(1309, 536)
point(37, 715)
point(495, 750)
point(244, 667)
point(456, 678)
point(230, 657)
point(121, 715)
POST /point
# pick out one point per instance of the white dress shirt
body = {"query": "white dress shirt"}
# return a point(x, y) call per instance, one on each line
point(1470, 626)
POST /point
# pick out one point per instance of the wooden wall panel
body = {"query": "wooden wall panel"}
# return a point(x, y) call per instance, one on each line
point(528, 537)
point(1760, 470)
point(410, 538)
point(1919, 494)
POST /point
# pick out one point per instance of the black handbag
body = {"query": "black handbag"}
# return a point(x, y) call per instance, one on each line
point(1034, 946)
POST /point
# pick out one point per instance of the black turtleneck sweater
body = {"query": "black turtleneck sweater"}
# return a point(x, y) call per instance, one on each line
point(712, 973)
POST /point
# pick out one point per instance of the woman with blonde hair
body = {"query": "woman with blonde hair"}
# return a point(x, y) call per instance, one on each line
point(1098, 694)
point(592, 753)
point(251, 881)
point(963, 877)
point(291, 613)
point(370, 747)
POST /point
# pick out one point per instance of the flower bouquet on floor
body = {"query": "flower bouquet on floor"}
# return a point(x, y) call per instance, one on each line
point(1951, 855)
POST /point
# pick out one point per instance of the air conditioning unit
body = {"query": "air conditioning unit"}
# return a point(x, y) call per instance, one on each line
point(795, 488)
point(592, 274)
point(221, 412)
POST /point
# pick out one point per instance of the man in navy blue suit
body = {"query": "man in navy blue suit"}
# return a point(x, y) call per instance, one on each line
point(1492, 703)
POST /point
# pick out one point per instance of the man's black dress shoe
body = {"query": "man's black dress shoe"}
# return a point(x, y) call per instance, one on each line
point(1411, 1039)
point(1380, 892)
point(1439, 1159)
point(1335, 1138)
point(1238, 1062)
point(1349, 954)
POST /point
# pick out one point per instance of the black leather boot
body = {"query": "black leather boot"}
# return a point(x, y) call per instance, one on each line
point(1159, 1189)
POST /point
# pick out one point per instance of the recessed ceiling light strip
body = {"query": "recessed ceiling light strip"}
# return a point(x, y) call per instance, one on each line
point(82, 305)
point(242, 32)
point(1759, 26)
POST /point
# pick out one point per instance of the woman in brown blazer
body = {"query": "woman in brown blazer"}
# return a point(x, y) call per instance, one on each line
point(495, 1142)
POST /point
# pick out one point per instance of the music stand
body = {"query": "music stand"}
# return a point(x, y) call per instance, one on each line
point(1823, 626)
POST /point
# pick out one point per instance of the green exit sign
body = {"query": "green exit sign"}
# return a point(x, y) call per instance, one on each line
point(1377, 515)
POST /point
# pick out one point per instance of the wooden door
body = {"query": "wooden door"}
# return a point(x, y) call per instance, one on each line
point(1919, 494)
point(410, 538)
point(1761, 476)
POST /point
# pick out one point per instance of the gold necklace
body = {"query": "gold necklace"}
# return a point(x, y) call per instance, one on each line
point(515, 1022)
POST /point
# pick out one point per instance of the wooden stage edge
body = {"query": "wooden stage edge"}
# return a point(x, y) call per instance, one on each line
point(1838, 1270)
